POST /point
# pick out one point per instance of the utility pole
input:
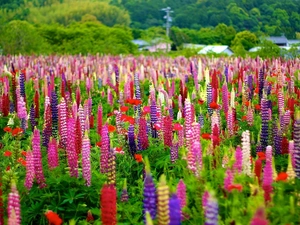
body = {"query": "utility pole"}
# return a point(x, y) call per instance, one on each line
point(168, 19)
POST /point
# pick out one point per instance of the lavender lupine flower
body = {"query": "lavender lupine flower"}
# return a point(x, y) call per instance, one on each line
point(124, 195)
point(228, 180)
point(54, 111)
point(153, 115)
point(71, 150)
point(225, 102)
point(86, 159)
point(167, 131)
point(188, 124)
point(150, 198)
point(142, 135)
point(137, 94)
point(163, 201)
point(175, 210)
point(250, 86)
point(264, 123)
point(174, 152)
point(29, 170)
point(131, 140)
point(52, 154)
point(181, 194)
point(238, 165)
point(47, 126)
point(37, 158)
point(22, 86)
point(211, 211)
point(209, 98)
point(62, 121)
point(296, 151)
point(13, 205)
point(105, 148)
point(267, 177)
point(280, 102)
point(32, 117)
point(111, 170)
point(201, 120)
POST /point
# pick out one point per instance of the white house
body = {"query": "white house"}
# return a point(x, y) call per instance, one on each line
point(217, 49)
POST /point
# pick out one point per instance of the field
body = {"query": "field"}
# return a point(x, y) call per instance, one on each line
point(149, 140)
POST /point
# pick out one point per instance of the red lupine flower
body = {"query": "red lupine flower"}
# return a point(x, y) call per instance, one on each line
point(138, 158)
point(111, 128)
point(213, 105)
point(7, 129)
point(178, 126)
point(7, 153)
point(261, 156)
point(257, 107)
point(247, 103)
point(89, 217)
point(17, 131)
point(53, 218)
point(200, 101)
point(124, 108)
point(282, 176)
point(206, 136)
point(98, 144)
point(238, 187)
point(7, 168)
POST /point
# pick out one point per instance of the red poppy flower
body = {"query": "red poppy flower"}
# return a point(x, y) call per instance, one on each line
point(206, 136)
point(21, 161)
point(134, 101)
point(146, 110)
point(124, 108)
point(111, 128)
point(261, 155)
point(282, 176)
point(257, 107)
point(157, 126)
point(200, 101)
point(53, 218)
point(7, 153)
point(244, 118)
point(7, 129)
point(118, 149)
point(23, 153)
point(98, 144)
point(138, 158)
point(178, 126)
point(129, 119)
point(17, 131)
point(213, 105)
point(238, 187)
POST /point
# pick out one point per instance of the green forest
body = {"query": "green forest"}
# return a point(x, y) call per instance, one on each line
point(109, 26)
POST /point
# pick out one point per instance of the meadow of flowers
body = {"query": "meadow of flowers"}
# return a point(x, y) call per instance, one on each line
point(145, 140)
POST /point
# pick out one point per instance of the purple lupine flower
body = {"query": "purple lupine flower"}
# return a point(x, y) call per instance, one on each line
point(52, 154)
point(267, 177)
point(13, 205)
point(211, 211)
point(86, 159)
point(261, 80)
point(71, 150)
point(238, 165)
point(167, 131)
point(181, 194)
point(175, 210)
point(153, 116)
point(150, 199)
point(142, 135)
point(47, 126)
point(131, 140)
point(32, 117)
point(37, 158)
point(228, 179)
point(278, 141)
point(29, 170)
point(188, 124)
point(264, 124)
point(201, 120)
point(225, 102)
point(296, 152)
point(124, 195)
point(174, 152)
point(22, 86)
point(250, 86)
point(137, 94)
point(105, 148)
point(54, 114)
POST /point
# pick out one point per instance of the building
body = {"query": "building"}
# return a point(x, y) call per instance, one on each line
point(216, 49)
point(279, 40)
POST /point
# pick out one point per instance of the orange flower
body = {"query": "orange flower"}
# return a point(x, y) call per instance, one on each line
point(124, 108)
point(213, 105)
point(22, 161)
point(138, 158)
point(7, 153)
point(111, 128)
point(282, 176)
point(23, 153)
point(7, 129)
point(238, 187)
point(206, 136)
point(257, 107)
point(53, 218)
point(17, 131)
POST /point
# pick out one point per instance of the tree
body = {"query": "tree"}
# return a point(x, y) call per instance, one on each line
point(246, 39)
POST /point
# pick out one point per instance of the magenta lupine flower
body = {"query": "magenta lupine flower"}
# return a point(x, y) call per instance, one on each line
point(86, 161)
point(174, 152)
point(105, 147)
point(52, 154)
point(238, 165)
point(78, 137)
point(99, 120)
point(230, 122)
point(205, 197)
point(196, 131)
point(143, 142)
point(71, 150)
point(167, 131)
point(110, 98)
point(181, 194)
point(13, 205)
point(225, 102)
point(62, 119)
point(228, 179)
point(78, 98)
point(188, 124)
point(81, 119)
point(259, 218)
point(22, 113)
point(37, 158)
point(267, 177)
point(75, 109)
point(29, 170)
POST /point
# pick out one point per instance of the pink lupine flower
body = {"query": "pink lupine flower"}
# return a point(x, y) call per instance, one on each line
point(228, 179)
point(181, 194)
point(86, 164)
point(62, 120)
point(238, 165)
point(29, 170)
point(37, 158)
point(267, 177)
point(105, 148)
point(71, 150)
point(13, 205)
point(52, 154)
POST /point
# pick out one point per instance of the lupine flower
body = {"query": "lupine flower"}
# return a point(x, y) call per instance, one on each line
point(78, 137)
point(205, 197)
point(153, 116)
point(291, 152)
point(22, 86)
point(36, 104)
point(238, 165)
point(258, 170)
point(82, 119)
point(54, 111)
point(250, 116)
point(209, 98)
point(259, 218)
point(13, 204)
point(175, 210)
point(32, 117)
point(105, 148)
point(131, 140)
point(1, 202)
point(89, 217)
point(225, 102)
point(246, 152)
point(37, 158)
point(228, 179)
point(167, 131)
point(108, 203)
point(211, 211)
point(290, 170)
point(143, 143)
point(86, 159)
point(47, 126)
point(52, 154)
point(62, 121)
point(174, 152)
point(181, 194)
point(264, 123)
point(111, 170)
point(99, 120)
point(267, 177)
point(71, 151)
point(230, 122)
point(296, 152)
point(124, 195)
point(163, 201)
point(188, 124)
point(5, 105)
